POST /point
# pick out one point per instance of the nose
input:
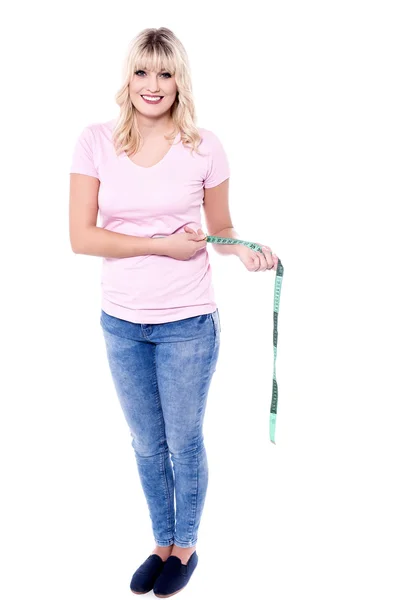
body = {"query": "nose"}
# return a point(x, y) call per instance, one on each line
point(153, 84)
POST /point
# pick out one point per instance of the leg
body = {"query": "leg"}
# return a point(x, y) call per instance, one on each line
point(186, 361)
point(132, 363)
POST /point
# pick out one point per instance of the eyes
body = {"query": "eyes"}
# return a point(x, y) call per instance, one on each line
point(138, 73)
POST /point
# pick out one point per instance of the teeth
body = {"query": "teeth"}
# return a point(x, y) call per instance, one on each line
point(152, 98)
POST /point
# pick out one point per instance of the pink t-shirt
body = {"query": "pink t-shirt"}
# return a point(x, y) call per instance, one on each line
point(151, 202)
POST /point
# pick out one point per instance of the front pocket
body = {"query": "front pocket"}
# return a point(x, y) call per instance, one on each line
point(215, 320)
point(219, 320)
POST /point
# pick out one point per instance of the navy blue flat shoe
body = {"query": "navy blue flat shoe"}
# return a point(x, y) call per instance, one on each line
point(175, 576)
point(144, 577)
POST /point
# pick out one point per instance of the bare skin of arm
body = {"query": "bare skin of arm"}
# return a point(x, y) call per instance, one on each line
point(87, 238)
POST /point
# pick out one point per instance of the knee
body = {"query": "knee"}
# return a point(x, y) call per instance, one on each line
point(145, 448)
point(185, 450)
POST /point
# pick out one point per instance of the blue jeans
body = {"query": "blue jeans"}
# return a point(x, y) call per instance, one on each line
point(162, 373)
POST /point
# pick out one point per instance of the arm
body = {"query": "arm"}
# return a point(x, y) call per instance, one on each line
point(218, 218)
point(87, 238)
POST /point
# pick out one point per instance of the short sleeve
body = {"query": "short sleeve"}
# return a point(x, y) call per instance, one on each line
point(83, 154)
point(218, 166)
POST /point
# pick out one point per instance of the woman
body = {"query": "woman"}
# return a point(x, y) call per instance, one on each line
point(148, 173)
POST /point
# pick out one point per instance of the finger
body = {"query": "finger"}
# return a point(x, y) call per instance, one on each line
point(268, 257)
point(257, 262)
point(263, 262)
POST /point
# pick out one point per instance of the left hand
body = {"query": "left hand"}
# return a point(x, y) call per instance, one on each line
point(257, 261)
point(199, 232)
point(252, 260)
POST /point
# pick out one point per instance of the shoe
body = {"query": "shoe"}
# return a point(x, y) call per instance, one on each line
point(175, 576)
point(144, 577)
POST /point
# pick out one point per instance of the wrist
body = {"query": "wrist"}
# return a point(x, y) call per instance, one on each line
point(228, 232)
point(158, 246)
point(228, 249)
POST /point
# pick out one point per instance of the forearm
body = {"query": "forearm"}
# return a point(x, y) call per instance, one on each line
point(229, 232)
point(97, 241)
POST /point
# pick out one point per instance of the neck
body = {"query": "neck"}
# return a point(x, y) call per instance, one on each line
point(151, 128)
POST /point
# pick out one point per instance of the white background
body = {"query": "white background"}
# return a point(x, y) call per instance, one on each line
point(305, 98)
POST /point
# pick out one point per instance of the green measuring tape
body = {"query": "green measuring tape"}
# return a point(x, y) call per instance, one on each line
point(277, 295)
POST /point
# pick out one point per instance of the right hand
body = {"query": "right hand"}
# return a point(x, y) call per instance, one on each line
point(183, 246)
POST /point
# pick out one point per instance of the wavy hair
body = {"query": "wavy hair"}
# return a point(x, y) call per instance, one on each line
point(156, 49)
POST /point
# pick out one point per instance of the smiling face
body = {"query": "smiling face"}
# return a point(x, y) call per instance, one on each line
point(147, 84)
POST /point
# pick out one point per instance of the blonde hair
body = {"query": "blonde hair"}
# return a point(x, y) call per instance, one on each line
point(156, 49)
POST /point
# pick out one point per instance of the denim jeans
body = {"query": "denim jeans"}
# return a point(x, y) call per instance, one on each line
point(162, 373)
